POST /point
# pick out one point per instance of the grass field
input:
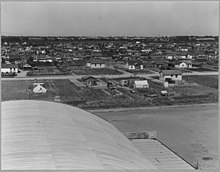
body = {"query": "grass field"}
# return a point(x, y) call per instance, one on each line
point(144, 71)
point(203, 91)
point(208, 80)
point(101, 71)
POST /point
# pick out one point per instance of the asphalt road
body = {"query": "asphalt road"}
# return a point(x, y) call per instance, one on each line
point(190, 131)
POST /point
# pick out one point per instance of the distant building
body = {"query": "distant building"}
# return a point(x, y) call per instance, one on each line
point(183, 64)
point(39, 89)
point(9, 68)
point(140, 84)
point(96, 64)
point(89, 81)
point(171, 75)
point(132, 65)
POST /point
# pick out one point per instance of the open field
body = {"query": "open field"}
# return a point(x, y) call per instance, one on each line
point(190, 131)
point(101, 98)
point(101, 71)
point(46, 70)
point(144, 71)
point(209, 81)
point(203, 69)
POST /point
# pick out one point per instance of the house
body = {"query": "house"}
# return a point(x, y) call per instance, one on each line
point(79, 64)
point(160, 64)
point(96, 64)
point(39, 89)
point(171, 76)
point(9, 68)
point(183, 64)
point(140, 84)
point(132, 65)
point(89, 81)
point(27, 67)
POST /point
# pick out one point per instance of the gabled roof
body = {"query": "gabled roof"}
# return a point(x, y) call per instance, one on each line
point(97, 61)
point(171, 72)
point(88, 77)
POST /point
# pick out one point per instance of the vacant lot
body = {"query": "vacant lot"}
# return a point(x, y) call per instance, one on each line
point(144, 71)
point(208, 80)
point(96, 98)
point(101, 71)
point(46, 70)
point(190, 131)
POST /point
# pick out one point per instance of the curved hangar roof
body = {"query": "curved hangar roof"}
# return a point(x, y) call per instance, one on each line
point(47, 135)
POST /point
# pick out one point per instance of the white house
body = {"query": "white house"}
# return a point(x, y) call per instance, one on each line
point(131, 65)
point(183, 64)
point(169, 57)
point(174, 75)
point(96, 64)
point(9, 68)
point(39, 89)
point(141, 84)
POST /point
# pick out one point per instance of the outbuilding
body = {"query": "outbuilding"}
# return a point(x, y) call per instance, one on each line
point(141, 84)
point(39, 89)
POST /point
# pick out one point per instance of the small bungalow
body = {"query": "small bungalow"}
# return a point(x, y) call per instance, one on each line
point(183, 64)
point(79, 64)
point(160, 64)
point(9, 68)
point(171, 76)
point(96, 64)
point(89, 80)
point(27, 67)
point(132, 65)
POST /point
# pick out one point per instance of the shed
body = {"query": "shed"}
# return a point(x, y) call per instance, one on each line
point(39, 89)
point(89, 80)
point(141, 84)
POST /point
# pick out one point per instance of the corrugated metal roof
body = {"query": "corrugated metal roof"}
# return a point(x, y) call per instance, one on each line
point(160, 155)
point(48, 135)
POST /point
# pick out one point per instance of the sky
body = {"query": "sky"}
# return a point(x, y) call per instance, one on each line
point(166, 18)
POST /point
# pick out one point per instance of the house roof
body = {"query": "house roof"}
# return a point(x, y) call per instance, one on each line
point(171, 72)
point(79, 63)
point(133, 62)
point(88, 77)
point(97, 61)
point(45, 135)
point(9, 66)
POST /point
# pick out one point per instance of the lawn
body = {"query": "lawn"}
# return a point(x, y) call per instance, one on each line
point(101, 71)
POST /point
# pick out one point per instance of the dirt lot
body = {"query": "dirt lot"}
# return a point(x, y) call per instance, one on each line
point(145, 71)
point(101, 71)
point(190, 131)
point(46, 70)
point(96, 98)
point(209, 80)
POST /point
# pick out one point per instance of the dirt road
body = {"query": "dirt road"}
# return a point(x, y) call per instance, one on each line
point(100, 76)
point(190, 131)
